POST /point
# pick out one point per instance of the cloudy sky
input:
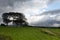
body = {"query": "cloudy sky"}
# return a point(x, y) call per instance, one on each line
point(37, 12)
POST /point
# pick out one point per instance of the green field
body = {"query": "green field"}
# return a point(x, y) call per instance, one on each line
point(31, 33)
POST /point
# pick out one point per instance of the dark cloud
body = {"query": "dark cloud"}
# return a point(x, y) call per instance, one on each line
point(51, 19)
point(9, 2)
point(47, 23)
point(9, 5)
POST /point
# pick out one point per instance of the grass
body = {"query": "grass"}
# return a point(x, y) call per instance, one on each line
point(31, 33)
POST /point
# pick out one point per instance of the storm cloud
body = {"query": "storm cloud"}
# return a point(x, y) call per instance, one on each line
point(30, 8)
point(50, 18)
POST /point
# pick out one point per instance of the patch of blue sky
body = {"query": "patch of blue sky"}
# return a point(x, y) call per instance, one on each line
point(53, 6)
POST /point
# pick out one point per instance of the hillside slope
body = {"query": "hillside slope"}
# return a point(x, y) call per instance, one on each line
point(31, 33)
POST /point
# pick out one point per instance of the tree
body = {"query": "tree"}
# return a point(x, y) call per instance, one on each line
point(2, 24)
point(5, 18)
point(15, 17)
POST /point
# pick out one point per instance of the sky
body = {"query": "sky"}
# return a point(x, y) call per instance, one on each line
point(37, 12)
point(55, 5)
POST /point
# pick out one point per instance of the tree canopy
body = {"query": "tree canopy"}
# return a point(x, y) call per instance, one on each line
point(15, 17)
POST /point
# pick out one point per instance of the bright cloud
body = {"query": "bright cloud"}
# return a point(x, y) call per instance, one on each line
point(55, 25)
point(31, 8)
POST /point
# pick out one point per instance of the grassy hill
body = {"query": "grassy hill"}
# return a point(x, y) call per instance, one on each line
point(31, 33)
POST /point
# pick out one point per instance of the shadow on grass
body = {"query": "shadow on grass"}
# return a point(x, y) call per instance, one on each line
point(4, 37)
